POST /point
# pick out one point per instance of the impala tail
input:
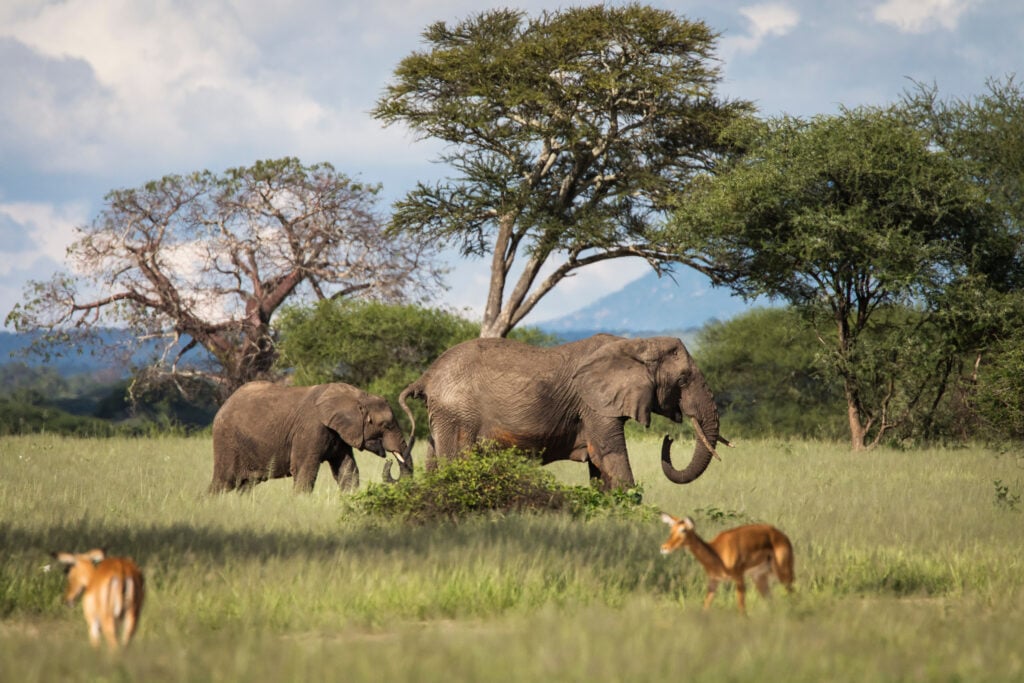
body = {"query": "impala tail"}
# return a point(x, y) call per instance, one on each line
point(112, 591)
point(755, 551)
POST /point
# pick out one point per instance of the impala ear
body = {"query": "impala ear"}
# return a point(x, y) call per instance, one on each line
point(64, 558)
point(669, 519)
point(97, 555)
point(688, 524)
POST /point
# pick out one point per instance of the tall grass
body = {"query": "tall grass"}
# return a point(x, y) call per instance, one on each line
point(908, 567)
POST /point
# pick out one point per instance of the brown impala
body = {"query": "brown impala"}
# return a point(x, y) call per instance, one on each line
point(759, 550)
point(111, 590)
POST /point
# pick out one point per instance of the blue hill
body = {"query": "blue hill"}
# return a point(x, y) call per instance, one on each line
point(651, 305)
point(75, 360)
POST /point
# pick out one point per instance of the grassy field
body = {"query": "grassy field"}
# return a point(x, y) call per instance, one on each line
point(909, 567)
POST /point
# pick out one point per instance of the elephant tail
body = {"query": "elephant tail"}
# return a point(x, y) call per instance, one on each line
point(414, 390)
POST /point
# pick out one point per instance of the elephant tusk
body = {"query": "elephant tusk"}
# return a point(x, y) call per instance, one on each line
point(399, 456)
point(703, 438)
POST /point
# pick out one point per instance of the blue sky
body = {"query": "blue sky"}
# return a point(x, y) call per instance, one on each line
point(104, 94)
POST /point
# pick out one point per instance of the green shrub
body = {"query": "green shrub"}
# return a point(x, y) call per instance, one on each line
point(487, 479)
point(23, 418)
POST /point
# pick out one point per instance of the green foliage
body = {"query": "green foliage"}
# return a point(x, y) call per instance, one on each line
point(1005, 498)
point(588, 502)
point(565, 132)
point(358, 342)
point(488, 479)
point(767, 376)
point(986, 132)
point(847, 217)
point(38, 399)
point(717, 515)
point(17, 417)
point(997, 397)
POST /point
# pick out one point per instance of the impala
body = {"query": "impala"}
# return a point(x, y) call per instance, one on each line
point(758, 550)
point(111, 589)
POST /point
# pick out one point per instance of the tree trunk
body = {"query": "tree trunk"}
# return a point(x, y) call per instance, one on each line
point(858, 433)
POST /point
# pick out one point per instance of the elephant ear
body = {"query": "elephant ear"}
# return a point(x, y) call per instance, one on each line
point(618, 380)
point(340, 408)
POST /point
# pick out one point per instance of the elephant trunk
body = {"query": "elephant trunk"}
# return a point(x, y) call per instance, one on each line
point(404, 464)
point(705, 423)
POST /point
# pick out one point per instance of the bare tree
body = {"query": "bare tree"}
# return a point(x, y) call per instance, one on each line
point(204, 261)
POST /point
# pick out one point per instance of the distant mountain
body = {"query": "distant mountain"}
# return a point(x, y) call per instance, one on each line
point(74, 360)
point(652, 305)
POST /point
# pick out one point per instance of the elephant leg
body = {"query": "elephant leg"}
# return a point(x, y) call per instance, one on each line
point(346, 472)
point(304, 475)
point(305, 478)
point(225, 475)
point(221, 485)
point(308, 450)
point(430, 461)
point(450, 436)
point(616, 471)
point(606, 447)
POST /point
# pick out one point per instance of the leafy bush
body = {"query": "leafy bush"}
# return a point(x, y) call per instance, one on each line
point(763, 369)
point(23, 418)
point(486, 479)
point(998, 395)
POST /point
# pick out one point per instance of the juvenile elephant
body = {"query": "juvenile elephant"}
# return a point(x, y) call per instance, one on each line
point(566, 402)
point(267, 431)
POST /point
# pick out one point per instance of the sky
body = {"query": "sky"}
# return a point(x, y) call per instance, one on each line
point(97, 95)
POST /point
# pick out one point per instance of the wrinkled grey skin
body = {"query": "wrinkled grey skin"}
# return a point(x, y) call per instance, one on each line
point(267, 431)
point(567, 402)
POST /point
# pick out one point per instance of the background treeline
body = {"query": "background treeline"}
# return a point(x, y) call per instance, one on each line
point(767, 367)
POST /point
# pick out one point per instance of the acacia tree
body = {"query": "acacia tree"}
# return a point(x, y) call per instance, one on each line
point(205, 260)
point(856, 220)
point(987, 132)
point(566, 134)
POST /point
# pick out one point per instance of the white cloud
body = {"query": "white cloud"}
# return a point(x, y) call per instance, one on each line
point(185, 83)
point(35, 238)
point(919, 16)
point(49, 229)
point(765, 21)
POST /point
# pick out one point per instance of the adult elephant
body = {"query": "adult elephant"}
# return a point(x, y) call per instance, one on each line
point(267, 431)
point(566, 402)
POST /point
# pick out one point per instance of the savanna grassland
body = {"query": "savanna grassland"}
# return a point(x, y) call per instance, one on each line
point(909, 567)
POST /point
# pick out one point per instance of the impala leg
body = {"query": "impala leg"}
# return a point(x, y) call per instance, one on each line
point(762, 577)
point(94, 632)
point(128, 630)
point(741, 595)
point(763, 586)
point(109, 626)
point(712, 587)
